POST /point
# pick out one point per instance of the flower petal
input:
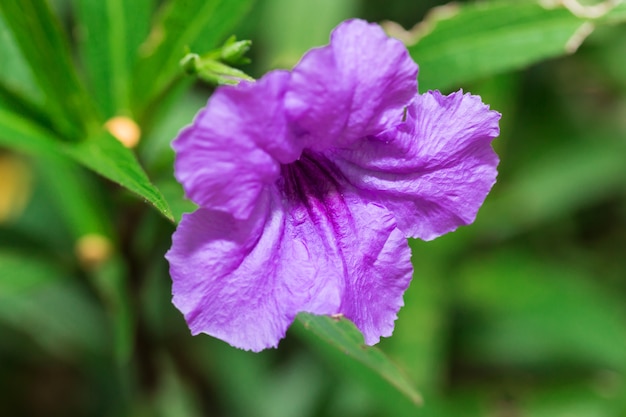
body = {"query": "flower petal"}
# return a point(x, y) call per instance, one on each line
point(354, 241)
point(378, 271)
point(235, 145)
point(244, 281)
point(358, 85)
point(435, 170)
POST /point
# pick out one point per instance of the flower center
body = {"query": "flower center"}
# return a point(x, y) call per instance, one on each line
point(311, 187)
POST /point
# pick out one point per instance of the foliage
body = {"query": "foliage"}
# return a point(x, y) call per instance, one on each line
point(519, 314)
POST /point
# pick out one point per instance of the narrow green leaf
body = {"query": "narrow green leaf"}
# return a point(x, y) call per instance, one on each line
point(342, 334)
point(197, 24)
point(37, 298)
point(21, 134)
point(110, 32)
point(12, 99)
point(173, 397)
point(44, 47)
point(476, 40)
point(175, 195)
point(111, 283)
point(101, 153)
point(16, 74)
point(108, 157)
point(75, 194)
point(421, 354)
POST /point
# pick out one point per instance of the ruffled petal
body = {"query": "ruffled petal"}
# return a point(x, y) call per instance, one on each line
point(378, 271)
point(322, 250)
point(358, 85)
point(243, 281)
point(433, 171)
point(235, 145)
point(354, 241)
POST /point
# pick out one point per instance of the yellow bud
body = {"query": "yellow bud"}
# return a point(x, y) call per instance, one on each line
point(125, 130)
point(15, 186)
point(93, 249)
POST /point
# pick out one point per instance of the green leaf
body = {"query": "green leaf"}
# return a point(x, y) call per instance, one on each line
point(12, 99)
point(554, 185)
point(77, 197)
point(173, 398)
point(421, 354)
point(101, 153)
point(531, 312)
point(44, 47)
point(21, 134)
point(37, 298)
point(175, 195)
point(110, 34)
point(196, 24)
point(108, 157)
point(342, 334)
point(111, 283)
point(298, 26)
point(16, 74)
point(616, 15)
point(477, 40)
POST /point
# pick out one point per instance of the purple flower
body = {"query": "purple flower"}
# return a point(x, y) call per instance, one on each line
point(309, 183)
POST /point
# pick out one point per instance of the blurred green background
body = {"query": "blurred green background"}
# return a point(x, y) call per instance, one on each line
point(520, 314)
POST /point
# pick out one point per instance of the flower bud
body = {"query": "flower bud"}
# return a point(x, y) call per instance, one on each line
point(233, 51)
point(125, 130)
point(92, 250)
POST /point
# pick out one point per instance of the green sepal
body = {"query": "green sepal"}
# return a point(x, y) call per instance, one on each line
point(215, 67)
point(233, 51)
